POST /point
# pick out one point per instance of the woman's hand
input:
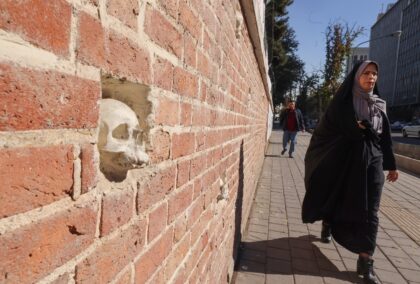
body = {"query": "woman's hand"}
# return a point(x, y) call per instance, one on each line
point(392, 176)
point(361, 125)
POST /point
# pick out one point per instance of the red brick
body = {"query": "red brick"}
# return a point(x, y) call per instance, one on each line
point(46, 99)
point(125, 278)
point(182, 144)
point(91, 41)
point(126, 11)
point(158, 277)
point(117, 210)
point(190, 21)
point(180, 229)
point(155, 190)
point(179, 202)
point(163, 72)
point(183, 173)
point(43, 23)
point(185, 83)
point(200, 141)
point(198, 187)
point(176, 257)
point(204, 65)
point(186, 113)
point(112, 256)
point(162, 32)
point(190, 51)
point(33, 177)
point(198, 165)
point(31, 252)
point(153, 258)
point(161, 145)
point(157, 221)
point(170, 6)
point(89, 172)
point(125, 58)
point(195, 211)
point(167, 112)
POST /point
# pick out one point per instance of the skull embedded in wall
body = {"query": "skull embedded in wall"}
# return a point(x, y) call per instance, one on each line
point(120, 145)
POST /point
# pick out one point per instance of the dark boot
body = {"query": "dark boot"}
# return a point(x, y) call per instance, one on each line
point(365, 268)
point(326, 233)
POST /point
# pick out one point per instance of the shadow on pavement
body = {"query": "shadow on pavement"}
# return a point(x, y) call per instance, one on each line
point(290, 256)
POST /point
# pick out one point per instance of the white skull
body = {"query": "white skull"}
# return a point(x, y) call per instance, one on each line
point(118, 134)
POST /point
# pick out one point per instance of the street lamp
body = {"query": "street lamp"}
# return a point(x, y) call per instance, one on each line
point(396, 34)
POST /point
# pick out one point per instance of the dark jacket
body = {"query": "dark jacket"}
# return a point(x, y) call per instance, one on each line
point(299, 119)
point(335, 164)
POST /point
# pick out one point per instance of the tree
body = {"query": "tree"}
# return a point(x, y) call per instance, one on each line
point(286, 68)
point(339, 38)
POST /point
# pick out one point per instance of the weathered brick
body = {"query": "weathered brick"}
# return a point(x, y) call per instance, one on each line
point(158, 219)
point(33, 177)
point(167, 112)
point(126, 11)
point(195, 211)
point(112, 256)
point(161, 31)
point(183, 173)
point(170, 6)
point(179, 202)
point(155, 190)
point(185, 83)
point(200, 141)
point(117, 210)
point(186, 113)
point(31, 252)
point(46, 99)
point(125, 58)
point(160, 146)
point(198, 165)
point(153, 258)
point(182, 144)
point(176, 257)
point(190, 54)
point(190, 21)
point(43, 23)
point(163, 73)
point(125, 278)
point(91, 41)
point(89, 170)
point(62, 279)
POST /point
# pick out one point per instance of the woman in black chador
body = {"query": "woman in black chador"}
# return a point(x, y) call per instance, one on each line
point(344, 166)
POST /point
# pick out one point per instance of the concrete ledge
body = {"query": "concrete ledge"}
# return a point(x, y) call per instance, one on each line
point(408, 164)
point(408, 150)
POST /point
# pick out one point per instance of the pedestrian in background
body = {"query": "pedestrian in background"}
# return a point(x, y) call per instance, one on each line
point(291, 121)
point(344, 164)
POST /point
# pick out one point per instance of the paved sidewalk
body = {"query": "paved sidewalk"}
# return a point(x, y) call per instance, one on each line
point(279, 248)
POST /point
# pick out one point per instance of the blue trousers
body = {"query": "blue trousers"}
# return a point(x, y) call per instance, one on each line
point(289, 136)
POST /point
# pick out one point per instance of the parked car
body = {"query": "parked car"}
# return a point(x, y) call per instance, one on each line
point(411, 129)
point(397, 125)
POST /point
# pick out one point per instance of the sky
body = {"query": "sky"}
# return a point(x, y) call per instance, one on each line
point(310, 18)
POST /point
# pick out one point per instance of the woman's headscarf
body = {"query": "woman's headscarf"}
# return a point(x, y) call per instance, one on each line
point(367, 105)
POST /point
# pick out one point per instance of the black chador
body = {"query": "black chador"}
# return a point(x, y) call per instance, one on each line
point(344, 172)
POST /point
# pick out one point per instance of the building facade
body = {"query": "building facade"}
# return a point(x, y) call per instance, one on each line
point(399, 58)
point(357, 54)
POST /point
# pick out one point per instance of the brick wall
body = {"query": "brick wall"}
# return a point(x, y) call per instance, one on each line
point(61, 220)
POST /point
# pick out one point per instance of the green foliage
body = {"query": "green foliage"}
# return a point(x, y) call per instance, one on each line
point(339, 38)
point(286, 68)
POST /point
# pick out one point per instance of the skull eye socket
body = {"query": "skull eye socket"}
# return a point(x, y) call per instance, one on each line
point(121, 132)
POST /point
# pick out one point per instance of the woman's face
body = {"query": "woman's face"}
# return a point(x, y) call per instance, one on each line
point(368, 78)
